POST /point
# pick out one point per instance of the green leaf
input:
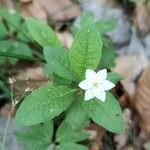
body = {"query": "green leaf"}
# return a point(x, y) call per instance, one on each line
point(23, 33)
point(135, 1)
point(13, 20)
point(71, 146)
point(37, 136)
point(58, 80)
point(3, 31)
point(44, 103)
point(104, 26)
point(76, 117)
point(42, 33)
point(58, 62)
point(74, 30)
point(114, 77)
point(65, 134)
point(107, 114)
point(85, 16)
point(13, 47)
point(86, 49)
point(108, 55)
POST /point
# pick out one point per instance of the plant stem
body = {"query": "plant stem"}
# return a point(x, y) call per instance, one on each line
point(41, 60)
point(9, 117)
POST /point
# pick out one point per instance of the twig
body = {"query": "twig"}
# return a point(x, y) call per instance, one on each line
point(11, 81)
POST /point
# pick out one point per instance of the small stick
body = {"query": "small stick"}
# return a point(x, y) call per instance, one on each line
point(11, 81)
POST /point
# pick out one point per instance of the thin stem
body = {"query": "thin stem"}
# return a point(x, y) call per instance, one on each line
point(9, 117)
point(22, 57)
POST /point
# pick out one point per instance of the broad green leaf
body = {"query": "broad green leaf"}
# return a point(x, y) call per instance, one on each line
point(107, 114)
point(114, 77)
point(44, 103)
point(76, 117)
point(71, 146)
point(13, 19)
point(65, 134)
point(108, 55)
point(13, 47)
point(3, 31)
point(23, 33)
point(58, 62)
point(58, 80)
point(37, 136)
point(105, 26)
point(85, 16)
point(86, 49)
point(42, 33)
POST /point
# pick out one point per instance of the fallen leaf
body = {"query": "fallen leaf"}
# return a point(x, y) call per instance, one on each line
point(60, 9)
point(130, 67)
point(66, 39)
point(98, 133)
point(32, 8)
point(141, 100)
point(30, 78)
point(142, 18)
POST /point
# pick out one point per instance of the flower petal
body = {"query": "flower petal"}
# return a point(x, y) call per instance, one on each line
point(102, 74)
point(90, 74)
point(101, 95)
point(107, 85)
point(83, 85)
point(88, 95)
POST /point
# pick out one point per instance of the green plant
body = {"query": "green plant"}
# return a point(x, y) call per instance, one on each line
point(62, 99)
point(147, 2)
point(13, 37)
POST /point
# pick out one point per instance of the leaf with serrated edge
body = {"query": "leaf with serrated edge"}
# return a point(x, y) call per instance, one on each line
point(86, 49)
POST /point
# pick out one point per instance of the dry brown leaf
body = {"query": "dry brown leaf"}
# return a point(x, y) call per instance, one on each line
point(141, 100)
point(32, 74)
point(9, 4)
point(111, 3)
point(130, 67)
point(98, 133)
point(121, 141)
point(65, 38)
point(60, 9)
point(142, 18)
point(32, 8)
point(29, 78)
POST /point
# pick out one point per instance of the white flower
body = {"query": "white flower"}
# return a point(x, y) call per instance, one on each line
point(95, 84)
